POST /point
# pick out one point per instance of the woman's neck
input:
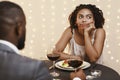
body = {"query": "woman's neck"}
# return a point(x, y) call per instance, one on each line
point(79, 37)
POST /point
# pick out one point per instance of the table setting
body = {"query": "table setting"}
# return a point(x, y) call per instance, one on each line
point(93, 71)
point(61, 69)
point(64, 65)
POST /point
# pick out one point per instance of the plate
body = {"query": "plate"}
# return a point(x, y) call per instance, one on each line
point(59, 65)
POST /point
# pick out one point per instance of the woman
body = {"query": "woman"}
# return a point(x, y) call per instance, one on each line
point(85, 35)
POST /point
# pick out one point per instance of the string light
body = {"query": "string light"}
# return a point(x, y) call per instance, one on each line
point(118, 10)
point(42, 7)
point(109, 6)
point(118, 17)
point(64, 2)
point(42, 13)
point(43, 19)
point(118, 24)
point(29, 4)
point(117, 60)
point(52, 0)
point(43, 0)
point(119, 44)
point(111, 57)
point(109, 52)
point(98, 0)
point(52, 7)
point(108, 13)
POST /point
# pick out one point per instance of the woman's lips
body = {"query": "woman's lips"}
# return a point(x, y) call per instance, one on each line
point(84, 25)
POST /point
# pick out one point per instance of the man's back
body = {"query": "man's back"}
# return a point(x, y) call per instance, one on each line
point(16, 67)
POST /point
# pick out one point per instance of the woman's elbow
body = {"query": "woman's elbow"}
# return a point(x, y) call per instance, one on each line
point(94, 59)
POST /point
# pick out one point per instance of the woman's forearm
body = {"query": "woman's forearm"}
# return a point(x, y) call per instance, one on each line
point(89, 48)
point(67, 56)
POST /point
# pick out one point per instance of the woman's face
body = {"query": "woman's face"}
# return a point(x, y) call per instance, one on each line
point(84, 19)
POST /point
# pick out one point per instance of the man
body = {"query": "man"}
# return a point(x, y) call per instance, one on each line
point(12, 37)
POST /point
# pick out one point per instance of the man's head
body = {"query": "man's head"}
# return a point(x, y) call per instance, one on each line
point(12, 23)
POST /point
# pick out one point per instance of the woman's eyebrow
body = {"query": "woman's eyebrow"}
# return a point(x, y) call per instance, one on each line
point(85, 15)
point(89, 15)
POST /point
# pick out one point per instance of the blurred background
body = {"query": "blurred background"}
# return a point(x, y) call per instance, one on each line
point(47, 19)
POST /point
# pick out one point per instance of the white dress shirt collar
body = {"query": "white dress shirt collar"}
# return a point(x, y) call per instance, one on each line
point(12, 46)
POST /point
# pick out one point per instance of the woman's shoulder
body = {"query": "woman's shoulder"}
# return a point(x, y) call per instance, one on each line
point(100, 30)
point(68, 32)
point(68, 29)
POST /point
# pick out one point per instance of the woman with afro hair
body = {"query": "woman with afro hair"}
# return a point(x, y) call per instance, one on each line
point(85, 35)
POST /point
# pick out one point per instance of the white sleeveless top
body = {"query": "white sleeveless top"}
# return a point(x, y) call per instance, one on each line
point(79, 50)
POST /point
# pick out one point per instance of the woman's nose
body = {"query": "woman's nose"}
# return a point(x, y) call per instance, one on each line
point(84, 20)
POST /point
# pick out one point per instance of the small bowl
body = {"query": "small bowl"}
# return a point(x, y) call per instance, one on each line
point(89, 77)
point(96, 73)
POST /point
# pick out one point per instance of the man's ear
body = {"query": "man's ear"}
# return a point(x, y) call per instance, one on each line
point(18, 29)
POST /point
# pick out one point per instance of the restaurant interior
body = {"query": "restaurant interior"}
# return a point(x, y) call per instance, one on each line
point(47, 19)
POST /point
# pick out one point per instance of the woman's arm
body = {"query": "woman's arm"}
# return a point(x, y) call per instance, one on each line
point(64, 40)
point(62, 43)
point(94, 50)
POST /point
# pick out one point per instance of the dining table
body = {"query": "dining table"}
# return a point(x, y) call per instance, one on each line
point(107, 72)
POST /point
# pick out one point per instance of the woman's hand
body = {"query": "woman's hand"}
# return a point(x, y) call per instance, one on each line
point(89, 29)
point(66, 56)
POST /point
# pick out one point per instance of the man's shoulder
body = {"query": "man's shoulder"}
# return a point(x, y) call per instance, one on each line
point(27, 60)
point(18, 60)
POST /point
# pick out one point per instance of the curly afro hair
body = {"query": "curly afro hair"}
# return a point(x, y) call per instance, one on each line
point(97, 14)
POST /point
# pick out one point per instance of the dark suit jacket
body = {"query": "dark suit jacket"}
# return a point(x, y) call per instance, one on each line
point(16, 67)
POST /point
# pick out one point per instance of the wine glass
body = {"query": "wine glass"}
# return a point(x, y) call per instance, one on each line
point(53, 57)
point(75, 63)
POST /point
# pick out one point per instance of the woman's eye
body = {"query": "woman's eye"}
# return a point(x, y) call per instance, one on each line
point(89, 17)
point(80, 17)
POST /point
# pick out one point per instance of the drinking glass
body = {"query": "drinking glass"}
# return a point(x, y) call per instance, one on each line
point(94, 73)
point(53, 57)
point(75, 63)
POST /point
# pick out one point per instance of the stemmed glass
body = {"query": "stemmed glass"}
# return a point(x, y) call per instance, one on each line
point(75, 63)
point(94, 73)
point(53, 57)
